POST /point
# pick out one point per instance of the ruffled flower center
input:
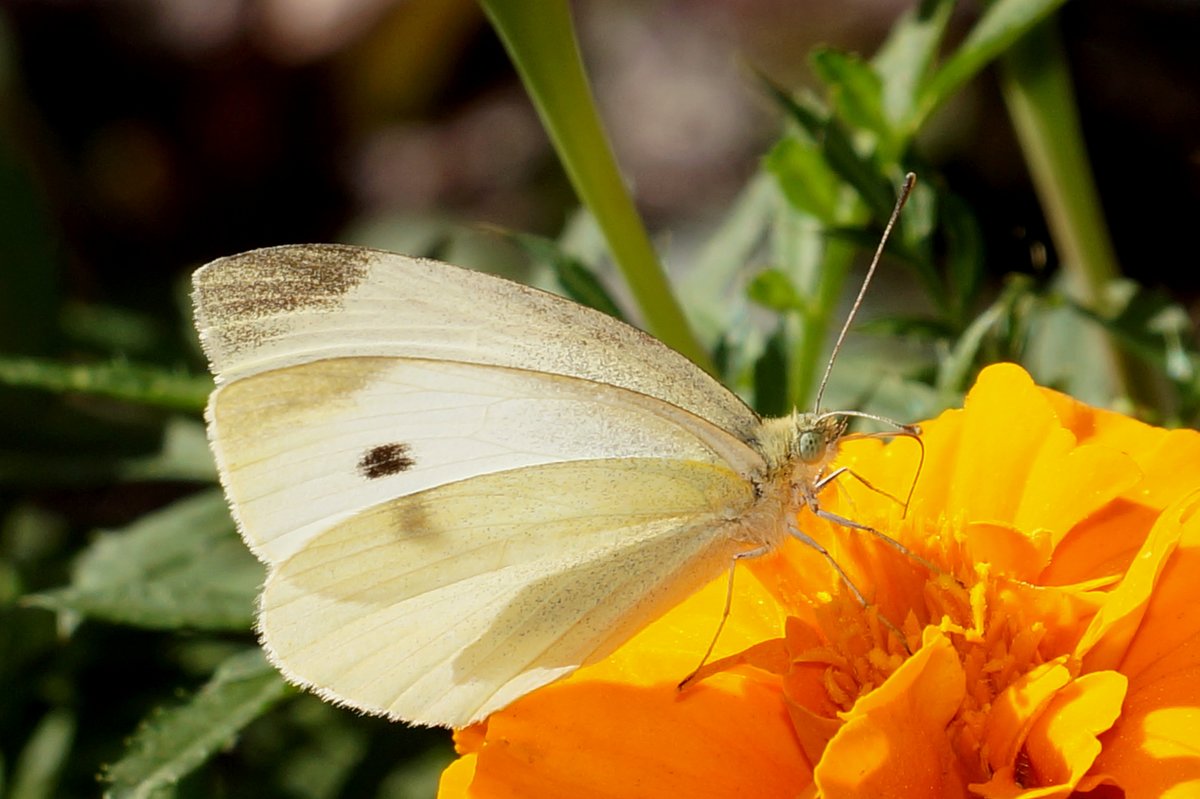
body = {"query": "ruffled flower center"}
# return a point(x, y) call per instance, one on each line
point(996, 632)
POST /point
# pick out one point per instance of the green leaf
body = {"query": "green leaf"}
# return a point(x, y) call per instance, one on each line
point(856, 92)
point(1002, 24)
point(964, 251)
point(37, 769)
point(1159, 332)
point(179, 567)
point(1004, 321)
point(839, 152)
point(773, 289)
point(906, 58)
point(711, 288)
point(118, 380)
point(770, 375)
point(172, 742)
point(184, 455)
point(805, 177)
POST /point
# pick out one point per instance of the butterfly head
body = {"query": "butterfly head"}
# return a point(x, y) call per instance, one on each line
point(801, 444)
point(815, 437)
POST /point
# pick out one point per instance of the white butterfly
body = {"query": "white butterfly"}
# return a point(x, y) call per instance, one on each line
point(465, 488)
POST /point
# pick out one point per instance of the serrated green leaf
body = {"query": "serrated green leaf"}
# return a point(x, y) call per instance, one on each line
point(1002, 23)
point(804, 177)
point(173, 742)
point(838, 151)
point(907, 57)
point(773, 290)
point(180, 567)
point(856, 92)
point(146, 385)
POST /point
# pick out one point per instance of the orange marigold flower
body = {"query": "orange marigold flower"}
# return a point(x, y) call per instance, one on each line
point(1052, 644)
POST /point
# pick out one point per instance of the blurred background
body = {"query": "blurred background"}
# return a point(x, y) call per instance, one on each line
point(141, 138)
point(148, 136)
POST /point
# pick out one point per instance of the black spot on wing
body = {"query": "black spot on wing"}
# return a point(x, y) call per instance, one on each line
point(386, 460)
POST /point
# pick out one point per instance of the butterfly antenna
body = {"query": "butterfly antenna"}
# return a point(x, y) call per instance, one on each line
point(910, 180)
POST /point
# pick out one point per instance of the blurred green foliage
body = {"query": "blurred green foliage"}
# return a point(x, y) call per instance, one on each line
point(128, 653)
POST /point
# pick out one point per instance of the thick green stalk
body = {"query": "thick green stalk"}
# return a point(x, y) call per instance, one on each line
point(540, 39)
point(1041, 102)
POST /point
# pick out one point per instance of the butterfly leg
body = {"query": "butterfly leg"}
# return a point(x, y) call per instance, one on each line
point(750, 553)
point(808, 540)
point(884, 537)
point(838, 472)
point(810, 497)
point(912, 431)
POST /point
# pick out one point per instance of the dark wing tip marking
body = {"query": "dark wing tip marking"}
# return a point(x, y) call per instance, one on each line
point(386, 460)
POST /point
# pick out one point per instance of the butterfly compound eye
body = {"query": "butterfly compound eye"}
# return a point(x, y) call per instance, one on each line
point(810, 445)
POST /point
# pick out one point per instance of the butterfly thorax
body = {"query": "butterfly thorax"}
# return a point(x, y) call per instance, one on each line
point(798, 450)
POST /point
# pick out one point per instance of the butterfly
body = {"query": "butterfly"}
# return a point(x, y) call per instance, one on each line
point(465, 488)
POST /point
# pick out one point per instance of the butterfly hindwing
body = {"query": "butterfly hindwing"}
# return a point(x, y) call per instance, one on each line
point(444, 605)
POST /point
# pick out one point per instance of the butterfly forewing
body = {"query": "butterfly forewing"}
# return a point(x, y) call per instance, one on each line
point(280, 306)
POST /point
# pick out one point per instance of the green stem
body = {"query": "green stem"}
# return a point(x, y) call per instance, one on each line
point(1041, 102)
point(540, 39)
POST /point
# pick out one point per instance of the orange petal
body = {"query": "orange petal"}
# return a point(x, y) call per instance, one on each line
point(1065, 487)
point(991, 490)
point(1010, 550)
point(894, 741)
point(1167, 458)
point(1169, 465)
point(942, 438)
point(1152, 749)
point(1105, 643)
point(1063, 744)
point(1172, 619)
point(455, 782)
point(1102, 546)
point(729, 736)
point(621, 728)
point(1015, 710)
